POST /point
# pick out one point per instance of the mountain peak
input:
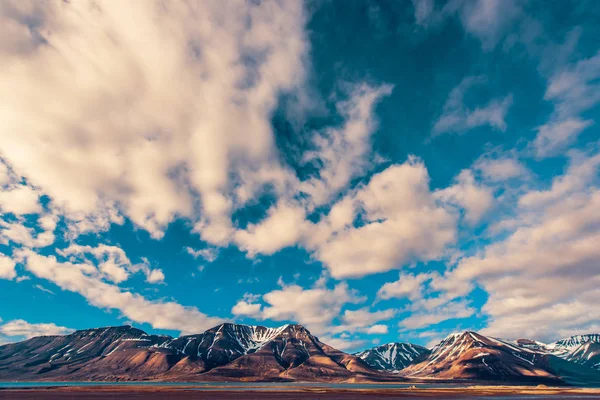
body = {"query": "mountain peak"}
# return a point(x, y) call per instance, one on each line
point(393, 356)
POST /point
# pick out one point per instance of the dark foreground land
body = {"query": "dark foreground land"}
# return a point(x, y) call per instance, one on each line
point(481, 392)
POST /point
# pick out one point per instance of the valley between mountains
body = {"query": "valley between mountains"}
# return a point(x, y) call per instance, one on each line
point(232, 352)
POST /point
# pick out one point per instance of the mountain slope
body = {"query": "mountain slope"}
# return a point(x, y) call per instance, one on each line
point(580, 349)
point(392, 356)
point(71, 355)
point(473, 356)
point(228, 351)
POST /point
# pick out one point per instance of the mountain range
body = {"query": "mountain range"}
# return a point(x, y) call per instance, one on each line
point(291, 353)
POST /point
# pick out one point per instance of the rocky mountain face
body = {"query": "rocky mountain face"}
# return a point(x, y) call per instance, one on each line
point(470, 355)
point(228, 351)
point(393, 357)
point(580, 349)
point(292, 353)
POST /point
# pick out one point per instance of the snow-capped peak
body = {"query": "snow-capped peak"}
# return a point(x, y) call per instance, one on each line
point(392, 356)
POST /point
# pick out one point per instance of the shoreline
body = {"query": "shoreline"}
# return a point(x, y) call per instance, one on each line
point(283, 392)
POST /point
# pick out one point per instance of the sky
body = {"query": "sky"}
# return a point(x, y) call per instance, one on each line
point(377, 171)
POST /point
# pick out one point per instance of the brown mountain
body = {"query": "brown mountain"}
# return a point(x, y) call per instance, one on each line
point(287, 353)
point(472, 356)
point(228, 351)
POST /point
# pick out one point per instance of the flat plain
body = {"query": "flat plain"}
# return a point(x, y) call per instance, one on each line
point(152, 393)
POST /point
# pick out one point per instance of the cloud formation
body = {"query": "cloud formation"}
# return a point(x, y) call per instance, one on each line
point(179, 72)
point(457, 117)
point(86, 280)
point(315, 307)
point(19, 329)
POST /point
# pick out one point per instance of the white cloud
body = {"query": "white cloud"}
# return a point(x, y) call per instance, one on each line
point(363, 320)
point(488, 20)
point(7, 267)
point(113, 264)
point(344, 153)
point(315, 308)
point(19, 200)
point(377, 330)
point(20, 329)
point(573, 89)
point(458, 118)
point(209, 254)
point(543, 279)
point(453, 310)
point(43, 289)
point(188, 111)
point(402, 223)
point(343, 344)
point(282, 227)
point(20, 231)
point(407, 286)
point(82, 278)
point(500, 169)
point(244, 308)
point(338, 154)
point(155, 276)
point(474, 198)
point(554, 137)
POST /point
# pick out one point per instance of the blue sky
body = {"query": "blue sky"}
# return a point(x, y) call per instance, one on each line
point(377, 171)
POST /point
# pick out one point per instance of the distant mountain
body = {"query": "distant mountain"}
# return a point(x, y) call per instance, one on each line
point(393, 357)
point(228, 351)
point(574, 341)
point(470, 355)
point(580, 349)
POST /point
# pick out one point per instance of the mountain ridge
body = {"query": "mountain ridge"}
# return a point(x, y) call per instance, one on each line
point(232, 351)
point(291, 353)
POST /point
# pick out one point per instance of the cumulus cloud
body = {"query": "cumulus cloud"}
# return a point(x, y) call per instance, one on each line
point(243, 308)
point(337, 155)
point(7, 267)
point(457, 117)
point(282, 227)
point(315, 307)
point(379, 329)
point(500, 169)
point(344, 344)
point(209, 254)
point(112, 262)
point(33, 233)
point(186, 114)
point(344, 153)
point(401, 223)
point(542, 279)
point(407, 286)
point(82, 278)
point(363, 320)
point(474, 198)
point(452, 310)
point(19, 329)
point(19, 200)
point(210, 149)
